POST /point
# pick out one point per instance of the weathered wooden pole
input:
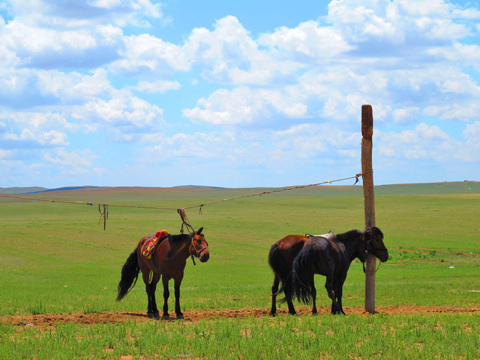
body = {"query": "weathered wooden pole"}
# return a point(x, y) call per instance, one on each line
point(369, 202)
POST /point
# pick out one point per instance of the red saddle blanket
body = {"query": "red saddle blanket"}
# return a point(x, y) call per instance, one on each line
point(149, 247)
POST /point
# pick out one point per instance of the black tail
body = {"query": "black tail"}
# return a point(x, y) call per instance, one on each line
point(279, 267)
point(302, 274)
point(129, 275)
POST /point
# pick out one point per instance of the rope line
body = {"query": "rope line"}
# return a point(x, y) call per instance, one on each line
point(200, 206)
point(85, 203)
point(275, 191)
point(103, 208)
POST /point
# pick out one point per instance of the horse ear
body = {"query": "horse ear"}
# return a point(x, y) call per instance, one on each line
point(199, 231)
point(377, 232)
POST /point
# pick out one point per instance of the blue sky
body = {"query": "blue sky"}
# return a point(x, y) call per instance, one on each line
point(244, 94)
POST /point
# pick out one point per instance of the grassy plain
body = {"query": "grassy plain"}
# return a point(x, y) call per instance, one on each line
point(56, 258)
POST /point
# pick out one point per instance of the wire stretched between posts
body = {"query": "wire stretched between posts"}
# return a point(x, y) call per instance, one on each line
point(180, 211)
point(274, 191)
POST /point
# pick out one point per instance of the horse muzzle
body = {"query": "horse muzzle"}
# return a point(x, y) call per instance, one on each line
point(382, 255)
point(204, 256)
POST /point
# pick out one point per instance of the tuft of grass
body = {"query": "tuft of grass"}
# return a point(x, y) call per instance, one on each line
point(37, 308)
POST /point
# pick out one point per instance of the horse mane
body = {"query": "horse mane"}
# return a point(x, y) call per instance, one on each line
point(346, 236)
point(179, 237)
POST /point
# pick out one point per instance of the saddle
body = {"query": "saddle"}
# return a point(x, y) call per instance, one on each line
point(329, 236)
point(148, 249)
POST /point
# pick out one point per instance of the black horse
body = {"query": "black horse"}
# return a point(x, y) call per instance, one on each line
point(332, 257)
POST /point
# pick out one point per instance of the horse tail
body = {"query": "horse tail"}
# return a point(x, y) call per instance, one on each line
point(279, 266)
point(302, 274)
point(129, 278)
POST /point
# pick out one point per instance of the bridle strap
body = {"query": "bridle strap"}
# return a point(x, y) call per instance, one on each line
point(371, 251)
point(191, 254)
point(192, 244)
point(373, 248)
point(186, 223)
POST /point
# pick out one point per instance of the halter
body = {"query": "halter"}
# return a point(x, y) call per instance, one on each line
point(373, 249)
point(197, 249)
point(186, 223)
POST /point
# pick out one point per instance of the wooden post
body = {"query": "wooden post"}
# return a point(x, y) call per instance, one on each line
point(369, 202)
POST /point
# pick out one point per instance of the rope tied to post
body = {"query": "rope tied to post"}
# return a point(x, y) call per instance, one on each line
point(185, 220)
point(103, 214)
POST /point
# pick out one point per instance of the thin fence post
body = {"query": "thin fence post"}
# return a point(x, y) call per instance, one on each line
point(369, 202)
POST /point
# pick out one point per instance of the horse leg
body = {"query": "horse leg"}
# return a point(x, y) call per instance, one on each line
point(313, 292)
point(331, 293)
point(153, 289)
point(288, 296)
point(178, 282)
point(314, 298)
point(166, 294)
point(276, 282)
point(150, 287)
point(339, 292)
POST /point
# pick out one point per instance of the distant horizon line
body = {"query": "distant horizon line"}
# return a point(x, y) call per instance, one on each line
point(41, 189)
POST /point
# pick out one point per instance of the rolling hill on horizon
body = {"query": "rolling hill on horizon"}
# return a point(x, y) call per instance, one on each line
point(392, 189)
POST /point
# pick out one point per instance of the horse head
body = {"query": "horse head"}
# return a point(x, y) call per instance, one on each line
point(199, 246)
point(361, 253)
point(375, 245)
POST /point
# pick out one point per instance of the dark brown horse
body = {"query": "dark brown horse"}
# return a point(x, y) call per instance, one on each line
point(168, 261)
point(280, 258)
point(332, 257)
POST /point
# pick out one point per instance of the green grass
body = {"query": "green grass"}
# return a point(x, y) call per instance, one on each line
point(55, 257)
point(308, 337)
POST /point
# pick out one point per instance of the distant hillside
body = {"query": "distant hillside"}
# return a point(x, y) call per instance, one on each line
point(21, 190)
point(458, 187)
point(197, 187)
point(69, 188)
point(37, 189)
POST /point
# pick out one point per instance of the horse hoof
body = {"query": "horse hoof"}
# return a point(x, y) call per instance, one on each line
point(155, 316)
point(180, 317)
point(166, 317)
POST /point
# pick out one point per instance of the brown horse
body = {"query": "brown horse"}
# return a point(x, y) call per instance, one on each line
point(280, 258)
point(168, 261)
point(332, 257)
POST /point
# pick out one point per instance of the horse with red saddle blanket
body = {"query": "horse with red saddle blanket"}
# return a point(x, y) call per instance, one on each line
point(162, 256)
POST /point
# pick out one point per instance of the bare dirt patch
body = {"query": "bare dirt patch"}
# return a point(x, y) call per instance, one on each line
point(50, 320)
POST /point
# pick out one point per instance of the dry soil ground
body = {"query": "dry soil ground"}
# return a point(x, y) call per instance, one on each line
point(43, 320)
